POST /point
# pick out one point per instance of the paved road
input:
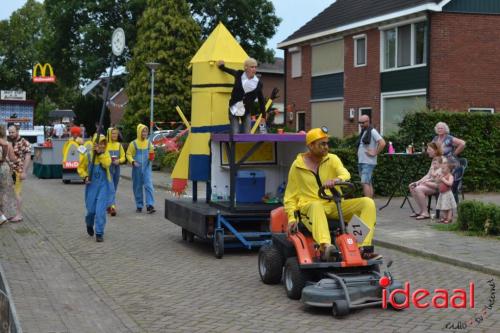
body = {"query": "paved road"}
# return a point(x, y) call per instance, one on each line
point(144, 278)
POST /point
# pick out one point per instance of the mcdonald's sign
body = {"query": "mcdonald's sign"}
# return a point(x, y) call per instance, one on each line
point(43, 78)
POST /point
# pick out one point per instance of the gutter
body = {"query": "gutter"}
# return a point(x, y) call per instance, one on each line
point(427, 7)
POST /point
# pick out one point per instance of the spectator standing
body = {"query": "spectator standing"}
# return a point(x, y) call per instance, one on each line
point(7, 196)
point(83, 131)
point(20, 165)
point(446, 201)
point(370, 144)
point(451, 146)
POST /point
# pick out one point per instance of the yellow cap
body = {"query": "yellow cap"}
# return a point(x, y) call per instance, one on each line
point(316, 134)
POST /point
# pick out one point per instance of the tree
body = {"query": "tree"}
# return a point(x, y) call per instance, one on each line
point(21, 47)
point(167, 34)
point(252, 22)
point(81, 43)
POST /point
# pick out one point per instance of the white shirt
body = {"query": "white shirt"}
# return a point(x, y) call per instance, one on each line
point(249, 84)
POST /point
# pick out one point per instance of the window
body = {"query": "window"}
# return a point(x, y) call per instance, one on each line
point(359, 50)
point(482, 110)
point(297, 64)
point(404, 46)
point(395, 106)
point(301, 121)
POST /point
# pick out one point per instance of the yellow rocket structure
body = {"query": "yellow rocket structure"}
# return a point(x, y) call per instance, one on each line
point(211, 89)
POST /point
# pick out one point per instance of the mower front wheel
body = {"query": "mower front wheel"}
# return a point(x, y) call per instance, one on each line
point(270, 264)
point(340, 308)
point(295, 278)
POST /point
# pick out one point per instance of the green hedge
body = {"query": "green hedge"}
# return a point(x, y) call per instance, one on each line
point(479, 217)
point(480, 131)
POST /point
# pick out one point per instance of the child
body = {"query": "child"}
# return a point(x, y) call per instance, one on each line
point(446, 202)
point(140, 154)
point(115, 150)
point(99, 187)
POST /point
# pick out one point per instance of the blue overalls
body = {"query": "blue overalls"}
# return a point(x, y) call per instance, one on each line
point(115, 172)
point(142, 177)
point(98, 195)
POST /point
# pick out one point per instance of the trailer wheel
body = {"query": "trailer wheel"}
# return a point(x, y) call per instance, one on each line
point(295, 278)
point(270, 264)
point(66, 181)
point(184, 233)
point(219, 245)
point(340, 308)
point(190, 236)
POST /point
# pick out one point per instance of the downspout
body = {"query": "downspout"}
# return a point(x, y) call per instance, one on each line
point(285, 67)
point(428, 56)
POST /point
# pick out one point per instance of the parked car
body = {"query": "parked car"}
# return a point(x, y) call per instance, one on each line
point(170, 140)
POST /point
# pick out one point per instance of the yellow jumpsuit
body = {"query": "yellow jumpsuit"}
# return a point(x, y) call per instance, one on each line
point(302, 194)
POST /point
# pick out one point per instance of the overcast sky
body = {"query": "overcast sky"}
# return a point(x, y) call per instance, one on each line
point(295, 13)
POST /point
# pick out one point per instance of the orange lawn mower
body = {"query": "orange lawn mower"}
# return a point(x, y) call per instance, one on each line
point(344, 282)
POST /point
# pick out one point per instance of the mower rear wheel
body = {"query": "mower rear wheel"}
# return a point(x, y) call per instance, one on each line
point(340, 308)
point(270, 264)
point(295, 278)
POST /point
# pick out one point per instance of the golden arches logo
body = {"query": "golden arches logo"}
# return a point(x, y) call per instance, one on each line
point(43, 78)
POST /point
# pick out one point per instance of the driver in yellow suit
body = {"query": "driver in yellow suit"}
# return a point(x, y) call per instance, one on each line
point(308, 172)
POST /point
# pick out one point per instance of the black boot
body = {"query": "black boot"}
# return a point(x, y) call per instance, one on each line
point(150, 209)
point(90, 231)
point(99, 238)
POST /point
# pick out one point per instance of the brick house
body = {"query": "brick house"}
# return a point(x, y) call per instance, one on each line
point(386, 58)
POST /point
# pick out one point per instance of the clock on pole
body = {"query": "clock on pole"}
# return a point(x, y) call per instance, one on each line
point(118, 41)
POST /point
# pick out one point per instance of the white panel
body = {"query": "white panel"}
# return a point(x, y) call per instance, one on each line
point(329, 114)
point(328, 58)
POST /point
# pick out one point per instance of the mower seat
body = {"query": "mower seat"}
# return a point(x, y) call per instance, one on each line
point(332, 225)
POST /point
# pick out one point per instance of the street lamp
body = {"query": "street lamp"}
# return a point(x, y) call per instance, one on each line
point(152, 66)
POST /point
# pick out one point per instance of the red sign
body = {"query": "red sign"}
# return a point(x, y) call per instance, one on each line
point(70, 165)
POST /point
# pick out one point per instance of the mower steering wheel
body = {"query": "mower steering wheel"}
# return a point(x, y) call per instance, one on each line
point(335, 193)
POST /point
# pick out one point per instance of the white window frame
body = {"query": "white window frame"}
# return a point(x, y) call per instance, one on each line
point(478, 109)
point(359, 115)
point(403, 93)
point(382, 30)
point(296, 52)
point(355, 40)
point(297, 120)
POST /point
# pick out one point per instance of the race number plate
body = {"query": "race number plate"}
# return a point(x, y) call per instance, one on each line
point(358, 229)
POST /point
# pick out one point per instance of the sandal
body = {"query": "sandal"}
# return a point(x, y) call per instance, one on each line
point(423, 217)
point(414, 215)
point(14, 220)
point(445, 221)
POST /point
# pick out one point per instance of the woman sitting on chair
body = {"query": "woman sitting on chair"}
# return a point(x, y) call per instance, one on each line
point(428, 185)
